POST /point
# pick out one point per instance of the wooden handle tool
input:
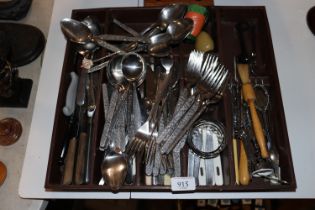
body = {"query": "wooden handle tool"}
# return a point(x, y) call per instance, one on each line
point(244, 176)
point(80, 162)
point(249, 97)
point(69, 162)
point(235, 158)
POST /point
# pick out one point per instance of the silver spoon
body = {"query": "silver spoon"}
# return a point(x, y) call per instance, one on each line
point(179, 29)
point(176, 31)
point(92, 24)
point(77, 32)
point(133, 68)
point(167, 14)
point(159, 43)
point(130, 67)
point(114, 169)
point(94, 28)
point(116, 78)
point(121, 70)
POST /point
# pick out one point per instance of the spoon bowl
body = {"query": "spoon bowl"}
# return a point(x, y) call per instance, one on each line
point(133, 68)
point(159, 43)
point(95, 30)
point(171, 12)
point(179, 29)
point(92, 25)
point(114, 72)
point(114, 169)
point(75, 31)
point(166, 15)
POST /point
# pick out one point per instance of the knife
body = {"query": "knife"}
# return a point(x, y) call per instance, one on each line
point(68, 111)
point(90, 114)
point(71, 151)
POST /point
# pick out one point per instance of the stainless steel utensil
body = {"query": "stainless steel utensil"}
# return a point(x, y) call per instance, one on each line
point(114, 169)
point(78, 32)
point(94, 28)
point(183, 95)
point(147, 130)
point(115, 164)
point(176, 31)
point(70, 28)
point(209, 165)
point(116, 78)
point(126, 28)
point(179, 29)
point(90, 114)
point(159, 43)
point(122, 38)
point(196, 139)
point(122, 70)
point(133, 67)
point(210, 78)
point(167, 14)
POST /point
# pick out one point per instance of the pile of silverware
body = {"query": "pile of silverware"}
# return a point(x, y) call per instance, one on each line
point(156, 130)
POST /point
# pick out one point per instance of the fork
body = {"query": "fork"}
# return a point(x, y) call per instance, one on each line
point(210, 78)
point(147, 131)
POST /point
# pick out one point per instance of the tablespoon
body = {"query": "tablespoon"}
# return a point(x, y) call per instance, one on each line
point(176, 31)
point(114, 168)
point(179, 29)
point(167, 14)
point(115, 78)
point(78, 32)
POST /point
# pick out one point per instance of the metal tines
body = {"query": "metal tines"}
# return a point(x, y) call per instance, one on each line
point(207, 73)
point(208, 79)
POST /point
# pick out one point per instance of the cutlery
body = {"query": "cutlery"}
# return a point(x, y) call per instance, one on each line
point(68, 111)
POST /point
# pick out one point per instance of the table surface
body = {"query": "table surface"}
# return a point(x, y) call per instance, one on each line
point(294, 50)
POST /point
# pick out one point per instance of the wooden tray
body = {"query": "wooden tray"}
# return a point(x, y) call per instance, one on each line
point(221, 26)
